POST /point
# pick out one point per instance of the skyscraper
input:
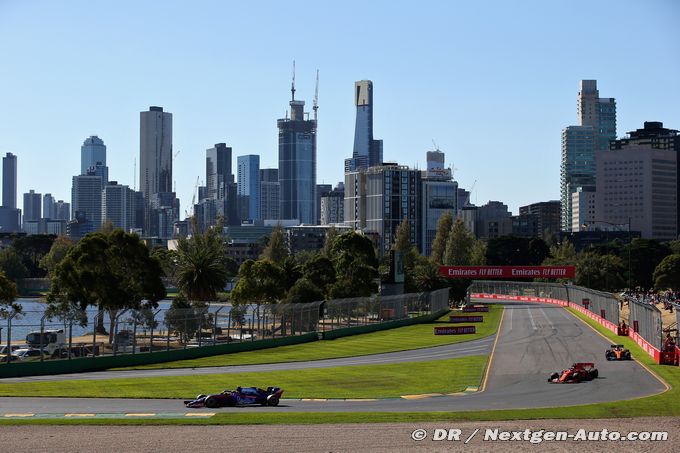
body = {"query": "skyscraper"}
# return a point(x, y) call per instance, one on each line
point(218, 172)
point(580, 144)
point(269, 193)
point(92, 151)
point(297, 165)
point(86, 198)
point(248, 173)
point(118, 205)
point(577, 168)
point(155, 155)
point(9, 181)
point(49, 206)
point(32, 205)
point(367, 151)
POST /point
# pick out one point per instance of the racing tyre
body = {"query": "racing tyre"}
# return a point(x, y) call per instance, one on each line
point(273, 400)
point(594, 374)
point(553, 377)
point(198, 397)
point(211, 402)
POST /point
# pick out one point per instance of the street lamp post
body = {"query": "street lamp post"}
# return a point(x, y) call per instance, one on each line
point(630, 241)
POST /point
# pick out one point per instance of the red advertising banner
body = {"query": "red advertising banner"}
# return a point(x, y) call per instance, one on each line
point(507, 271)
point(456, 319)
point(455, 330)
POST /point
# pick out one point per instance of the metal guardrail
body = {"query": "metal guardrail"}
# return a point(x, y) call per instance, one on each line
point(151, 330)
point(598, 302)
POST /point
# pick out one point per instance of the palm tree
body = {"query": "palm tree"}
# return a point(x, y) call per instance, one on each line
point(201, 265)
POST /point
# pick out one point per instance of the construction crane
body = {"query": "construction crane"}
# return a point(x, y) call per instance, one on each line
point(315, 105)
point(193, 199)
point(436, 148)
point(467, 203)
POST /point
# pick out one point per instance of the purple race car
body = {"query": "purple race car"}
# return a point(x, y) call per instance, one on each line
point(242, 396)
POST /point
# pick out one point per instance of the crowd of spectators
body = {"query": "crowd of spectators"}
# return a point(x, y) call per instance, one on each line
point(665, 299)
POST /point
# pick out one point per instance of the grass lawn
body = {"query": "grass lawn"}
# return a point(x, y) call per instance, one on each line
point(399, 339)
point(361, 381)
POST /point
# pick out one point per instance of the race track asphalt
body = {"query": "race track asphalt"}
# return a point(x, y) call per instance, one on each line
point(534, 341)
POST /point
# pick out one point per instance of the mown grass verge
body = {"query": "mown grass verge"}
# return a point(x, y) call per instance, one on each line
point(360, 381)
point(399, 339)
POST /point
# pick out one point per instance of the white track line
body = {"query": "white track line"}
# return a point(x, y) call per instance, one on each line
point(531, 318)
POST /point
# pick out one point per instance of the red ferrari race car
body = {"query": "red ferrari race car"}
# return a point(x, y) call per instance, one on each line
point(577, 373)
point(242, 396)
point(617, 352)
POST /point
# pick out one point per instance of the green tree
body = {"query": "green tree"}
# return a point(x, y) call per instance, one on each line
point(201, 265)
point(276, 249)
point(516, 251)
point(12, 265)
point(355, 266)
point(304, 291)
point(110, 271)
point(563, 254)
point(8, 296)
point(667, 273)
point(320, 271)
point(444, 225)
point(181, 319)
point(167, 259)
point(645, 256)
point(292, 271)
point(58, 251)
point(261, 281)
point(426, 276)
point(459, 245)
point(331, 234)
point(602, 272)
point(31, 249)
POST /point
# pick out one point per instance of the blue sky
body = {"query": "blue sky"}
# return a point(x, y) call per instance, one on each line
point(491, 82)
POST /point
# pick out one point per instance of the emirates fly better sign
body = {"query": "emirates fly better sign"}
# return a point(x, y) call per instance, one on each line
point(507, 271)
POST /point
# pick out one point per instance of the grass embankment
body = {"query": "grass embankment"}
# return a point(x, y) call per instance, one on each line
point(361, 381)
point(398, 339)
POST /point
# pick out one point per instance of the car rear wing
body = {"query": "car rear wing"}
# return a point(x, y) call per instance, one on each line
point(614, 346)
point(584, 365)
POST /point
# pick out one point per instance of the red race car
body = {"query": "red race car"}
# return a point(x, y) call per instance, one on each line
point(578, 372)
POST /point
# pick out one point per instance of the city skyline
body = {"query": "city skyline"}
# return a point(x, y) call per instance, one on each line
point(451, 76)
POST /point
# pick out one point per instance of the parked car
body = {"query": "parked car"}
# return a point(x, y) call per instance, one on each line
point(30, 355)
point(15, 347)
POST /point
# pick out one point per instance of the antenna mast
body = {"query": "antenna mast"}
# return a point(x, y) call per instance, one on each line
point(292, 85)
point(315, 106)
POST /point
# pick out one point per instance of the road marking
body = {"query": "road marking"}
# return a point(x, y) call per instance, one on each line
point(79, 415)
point(360, 400)
point(510, 316)
point(199, 414)
point(19, 415)
point(531, 318)
point(545, 315)
point(419, 397)
point(151, 414)
point(314, 399)
point(493, 350)
point(471, 389)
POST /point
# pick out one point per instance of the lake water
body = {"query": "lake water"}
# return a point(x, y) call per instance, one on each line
point(33, 311)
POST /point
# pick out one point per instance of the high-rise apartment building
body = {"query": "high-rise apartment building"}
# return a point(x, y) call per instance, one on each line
point(577, 167)
point(379, 198)
point(92, 151)
point(86, 199)
point(118, 205)
point(297, 165)
point(32, 206)
point(218, 171)
point(547, 214)
point(332, 206)
point(62, 211)
point(269, 194)
point(321, 191)
point(638, 182)
point(248, 173)
point(439, 195)
point(580, 144)
point(49, 206)
point(9, 181)
point(155, 156)
point(367, 151)
point(583, 213)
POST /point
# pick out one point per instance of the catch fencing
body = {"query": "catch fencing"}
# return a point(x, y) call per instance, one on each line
point(602, 304)
point(645, 319)
point(66, 335)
